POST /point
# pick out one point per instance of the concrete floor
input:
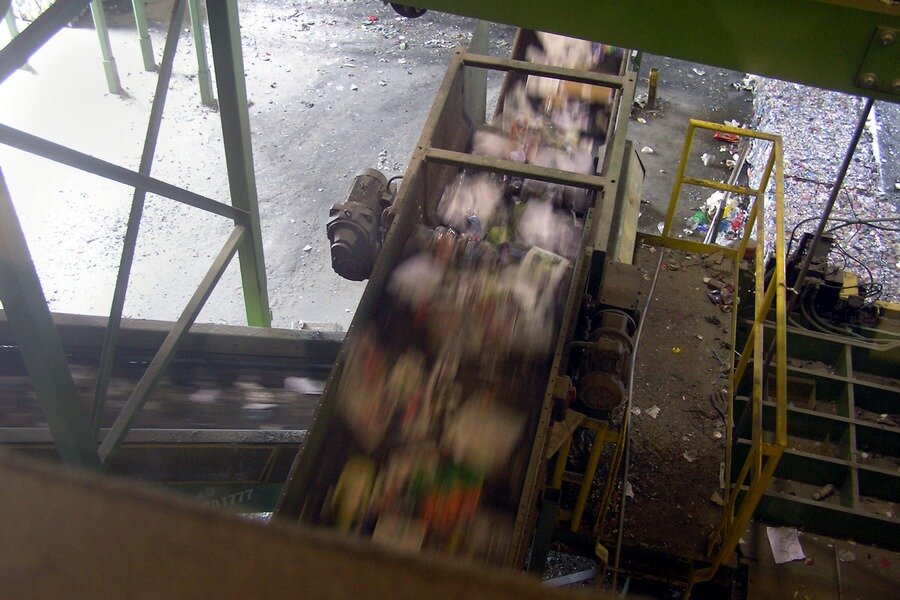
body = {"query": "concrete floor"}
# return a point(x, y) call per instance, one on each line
point(332, 92)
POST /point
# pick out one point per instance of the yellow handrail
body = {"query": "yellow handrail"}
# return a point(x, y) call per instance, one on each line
point(760, 464)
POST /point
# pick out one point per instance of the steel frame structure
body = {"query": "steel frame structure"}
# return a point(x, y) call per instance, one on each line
point(74, 434)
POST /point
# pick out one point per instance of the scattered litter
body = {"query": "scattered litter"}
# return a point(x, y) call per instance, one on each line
point(636, 411)
point(354, 87)
point(715, 257)
point(676, 350)
point(732, 123)
point(714, 284)
point(748, 83)
point(653, 411)
point(647, 150)
point(699, 337)
point(846, 555)
point(824, 492)
point(629, 490)
point(706, 158)
point(643, 121)
point(699, 72)
point(689, 456)
point(717, 499)
point(259, 405)
point(785, 543)
point(717, 435)
point(726, 137)
point(372, 18)
point(382, 83)
point(307, 248)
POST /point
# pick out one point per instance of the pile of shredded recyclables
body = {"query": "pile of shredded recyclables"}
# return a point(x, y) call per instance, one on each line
point(816, 126)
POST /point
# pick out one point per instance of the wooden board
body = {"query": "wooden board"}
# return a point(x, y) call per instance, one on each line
point(70, 534)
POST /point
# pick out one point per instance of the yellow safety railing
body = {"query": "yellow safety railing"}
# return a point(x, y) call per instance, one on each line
point(759, 466)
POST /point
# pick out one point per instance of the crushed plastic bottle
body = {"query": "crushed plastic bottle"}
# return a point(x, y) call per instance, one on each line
point(698, 222)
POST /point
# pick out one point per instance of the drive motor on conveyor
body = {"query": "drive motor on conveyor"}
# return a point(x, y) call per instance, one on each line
point(354, 226)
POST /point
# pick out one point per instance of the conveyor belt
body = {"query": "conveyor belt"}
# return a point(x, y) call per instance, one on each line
point(340, 456)
point(223, 426)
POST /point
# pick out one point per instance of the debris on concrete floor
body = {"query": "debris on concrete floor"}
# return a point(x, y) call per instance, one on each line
point(675, 455)
point(785, 543)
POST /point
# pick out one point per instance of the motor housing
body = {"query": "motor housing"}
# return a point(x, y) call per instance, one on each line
point(354, 226)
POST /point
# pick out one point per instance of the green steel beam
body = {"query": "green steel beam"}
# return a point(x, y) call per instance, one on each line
point(109, 61)
point(140, 22)
point(816, 42)
point(39, 343)
point(169, 347)
point(85, 162)
point(203, 77)
point(129, 243)
point(225, 39)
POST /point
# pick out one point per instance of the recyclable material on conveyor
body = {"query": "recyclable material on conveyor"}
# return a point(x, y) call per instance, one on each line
point(441, 388)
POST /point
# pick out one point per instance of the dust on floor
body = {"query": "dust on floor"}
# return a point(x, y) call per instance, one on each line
point(678, 431)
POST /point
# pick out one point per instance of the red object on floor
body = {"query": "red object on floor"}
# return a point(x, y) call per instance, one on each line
point(372, 18)
point(726, 137)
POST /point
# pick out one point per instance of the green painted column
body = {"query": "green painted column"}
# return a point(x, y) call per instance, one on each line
point(109, 61)
point(39, 344)
point(203, 76)
point(225, 39)
point(140, 21)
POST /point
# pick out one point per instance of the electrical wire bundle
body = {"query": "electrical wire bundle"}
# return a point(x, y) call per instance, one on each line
point(869, 292)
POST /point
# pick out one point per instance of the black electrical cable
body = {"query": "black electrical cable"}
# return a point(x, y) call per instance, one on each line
point(390, 181)
point(845, 222)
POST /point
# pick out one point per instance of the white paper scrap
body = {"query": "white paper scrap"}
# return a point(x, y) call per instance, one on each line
point(785, 544)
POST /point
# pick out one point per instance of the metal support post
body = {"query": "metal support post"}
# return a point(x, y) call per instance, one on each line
point(475, 80)
point(203, 77)
point(134, 217)
point(140, 21)
point(225, 39)
point(39, 343)
point(109, 61)
point(16, 53)
point(169, 347)
point(651, 87)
